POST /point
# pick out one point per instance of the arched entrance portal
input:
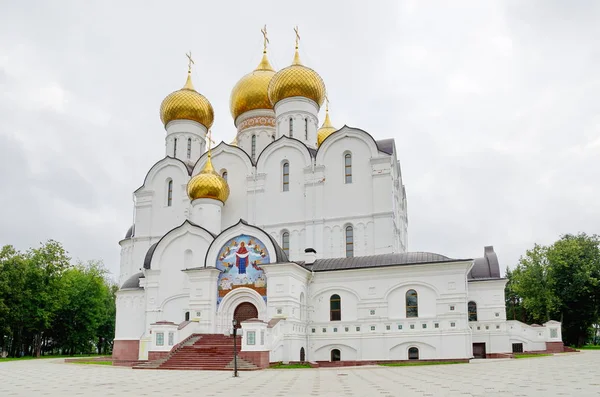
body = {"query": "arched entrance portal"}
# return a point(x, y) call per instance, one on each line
point(244, 311)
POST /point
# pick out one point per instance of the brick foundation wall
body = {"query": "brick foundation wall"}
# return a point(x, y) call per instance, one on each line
point(156, 355)
point(260, 359)
point(127, 350)
point(555, 347)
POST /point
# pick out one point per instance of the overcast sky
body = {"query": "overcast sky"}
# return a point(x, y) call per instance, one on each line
point(494, 107)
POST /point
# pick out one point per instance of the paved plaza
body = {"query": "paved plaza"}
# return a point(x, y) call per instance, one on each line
point(573, 374)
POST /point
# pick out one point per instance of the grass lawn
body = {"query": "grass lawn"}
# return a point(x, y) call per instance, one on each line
point(290, 366)
point(92, 362)
point(412, 364)
point(2, 360)
point(525, 355)
point(589, 347)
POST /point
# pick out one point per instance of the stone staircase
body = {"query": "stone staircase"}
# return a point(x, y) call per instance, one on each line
point(203, 352)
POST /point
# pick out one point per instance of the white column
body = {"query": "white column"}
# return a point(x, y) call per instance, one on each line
point(207, 213)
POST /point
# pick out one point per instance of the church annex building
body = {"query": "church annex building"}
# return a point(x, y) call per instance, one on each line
point(297, 230)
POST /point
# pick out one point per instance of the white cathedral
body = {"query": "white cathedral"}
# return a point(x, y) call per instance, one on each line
point(299, 234)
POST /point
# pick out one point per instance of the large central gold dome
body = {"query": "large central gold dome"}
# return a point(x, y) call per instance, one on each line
point(297, 80)
point(208, 184)
point(251, 92)
point(187, 104)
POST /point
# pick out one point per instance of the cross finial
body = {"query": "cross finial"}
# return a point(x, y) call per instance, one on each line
point(210, 140)
point(326, 103)
point(297, 36)
point(190, 61)
point(265, 38)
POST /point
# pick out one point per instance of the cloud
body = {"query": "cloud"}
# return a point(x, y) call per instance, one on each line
point(493, 107)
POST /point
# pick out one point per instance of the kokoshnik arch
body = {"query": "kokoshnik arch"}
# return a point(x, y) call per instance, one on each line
point(298, 229)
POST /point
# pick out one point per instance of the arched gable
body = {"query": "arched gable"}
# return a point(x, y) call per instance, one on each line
point(332, 290)
point(218, 150)
point(287, 142)
point(156, 251)
point(411, 284)
point(344, 133)
point(161, 164)
point(275, 253)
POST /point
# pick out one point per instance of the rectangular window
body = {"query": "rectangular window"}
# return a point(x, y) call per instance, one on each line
point(357, 329)
point(372, 328)
point(387, 327)
point(348, 167)
point(436, 325)
point(335, 308)
point(553, 333)
point(189, 148)
point(517, 348)
point(399, 326)
point(334, 329)
point(412, 326)
point(372, 312)
point(160, 339)
point(452, 308)
point(286, 177)
point(262, 337)
point(424, 326)
point(324, 330)
point(306, 129)
point(497, 327)
point(291, 127)
point(314, 330)
point(251, 337)
point(453, 325)
point(253, 148)
point(346, 329)
point(171, 338)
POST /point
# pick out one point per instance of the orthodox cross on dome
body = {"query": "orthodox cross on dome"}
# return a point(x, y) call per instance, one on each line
point(210, 140)
point(190, 61)
point(297, 36)
point(326, 103)
point(265, 38)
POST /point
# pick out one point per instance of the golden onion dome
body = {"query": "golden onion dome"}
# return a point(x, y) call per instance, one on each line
point(208, 184)
point(326, 129)
point(251, 92)
point(187, 104)
point(297, 80)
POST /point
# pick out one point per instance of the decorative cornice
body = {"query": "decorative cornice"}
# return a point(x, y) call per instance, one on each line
point(258, 121)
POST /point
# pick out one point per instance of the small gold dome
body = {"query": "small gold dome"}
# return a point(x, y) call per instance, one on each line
point(187, 104)
point(251, 92)
point(208, 184)
point(297, 80)
point(326, 129)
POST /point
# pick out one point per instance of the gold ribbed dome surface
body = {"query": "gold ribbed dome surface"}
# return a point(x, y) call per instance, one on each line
point(187, 104)
point(251, 92)
point(326, 129)
point(208, 184)
point(296, 80)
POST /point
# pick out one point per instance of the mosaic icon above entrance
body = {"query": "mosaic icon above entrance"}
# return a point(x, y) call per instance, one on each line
point(239, 261)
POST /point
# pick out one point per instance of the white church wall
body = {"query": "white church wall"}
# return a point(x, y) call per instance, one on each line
point(130, 320)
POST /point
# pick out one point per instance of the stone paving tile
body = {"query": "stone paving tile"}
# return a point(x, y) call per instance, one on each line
point(575, 374)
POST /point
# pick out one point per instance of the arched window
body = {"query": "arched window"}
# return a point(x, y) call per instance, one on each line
point(286, 176)
point(302, 355)
point(306, 128)
point(335, 308)
point(348, 167)
point(291, 127)
point(189, 148)
point(412, 303)
point(285, 242)
point(175, 147)
point(349, 242)
point(169, 193)
point(335, 355)
point(472, 306)
point(413, 353)
point(224, 175)
point(187, 316)
point(253, 147)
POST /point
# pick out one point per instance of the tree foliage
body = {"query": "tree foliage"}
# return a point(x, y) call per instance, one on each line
point(48, 304)
point(559, 282)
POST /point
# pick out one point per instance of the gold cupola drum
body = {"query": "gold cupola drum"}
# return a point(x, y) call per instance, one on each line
point(187, 104)
point(297, 80)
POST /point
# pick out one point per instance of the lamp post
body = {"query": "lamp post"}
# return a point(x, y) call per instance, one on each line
point(235, 369)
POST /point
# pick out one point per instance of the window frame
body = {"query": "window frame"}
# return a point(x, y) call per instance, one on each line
point(175, 147)
point(253, 147)
point(291, 133)
point(349, 245)
point(170, 193)
point(335, 308)
point(285, 242)
point(347, 168)
point(472, 310)
point(160, 339)
point(285, 173)
point(189, 148)
point(412, 311)
point(306, 128)
point(411, 351)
